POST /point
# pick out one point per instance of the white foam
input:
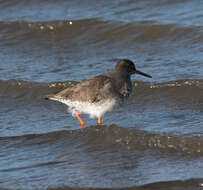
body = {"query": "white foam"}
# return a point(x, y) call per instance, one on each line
point(93, 109)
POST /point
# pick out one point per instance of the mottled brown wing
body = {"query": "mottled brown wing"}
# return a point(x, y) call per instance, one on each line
point(90, 90)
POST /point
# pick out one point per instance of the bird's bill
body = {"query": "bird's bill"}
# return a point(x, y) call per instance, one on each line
point(144, 74)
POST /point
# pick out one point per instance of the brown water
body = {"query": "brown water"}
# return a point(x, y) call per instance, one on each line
point(155, 142)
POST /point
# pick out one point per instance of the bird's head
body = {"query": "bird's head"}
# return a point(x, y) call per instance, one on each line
point(126, 66)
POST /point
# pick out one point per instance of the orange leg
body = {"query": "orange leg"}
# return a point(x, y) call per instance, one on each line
point(80, 119)
point(99, 122)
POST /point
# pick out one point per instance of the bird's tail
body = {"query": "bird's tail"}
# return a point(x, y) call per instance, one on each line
point(48, 97)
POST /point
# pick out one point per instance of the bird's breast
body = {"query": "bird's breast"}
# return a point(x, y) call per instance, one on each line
point(126, 90)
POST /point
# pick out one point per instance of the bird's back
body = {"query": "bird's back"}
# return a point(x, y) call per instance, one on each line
point(90, 90)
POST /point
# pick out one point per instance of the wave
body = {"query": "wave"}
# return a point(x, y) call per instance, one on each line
point(111, 136)
point(106, 31)
point(194, 184)
point(185, 91)
point(19, 89)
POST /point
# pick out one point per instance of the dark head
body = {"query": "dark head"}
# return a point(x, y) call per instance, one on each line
point(128, 67)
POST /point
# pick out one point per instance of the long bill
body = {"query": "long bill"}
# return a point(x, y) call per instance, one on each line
point(141, 73)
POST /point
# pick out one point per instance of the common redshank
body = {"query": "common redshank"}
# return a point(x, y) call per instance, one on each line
point(98, 95)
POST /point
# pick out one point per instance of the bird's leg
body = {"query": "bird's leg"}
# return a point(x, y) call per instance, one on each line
point(80, 119)
point(99, 122)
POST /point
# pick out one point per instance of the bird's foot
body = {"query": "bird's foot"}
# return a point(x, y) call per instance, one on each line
point(80, 119)
point(99, 122)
